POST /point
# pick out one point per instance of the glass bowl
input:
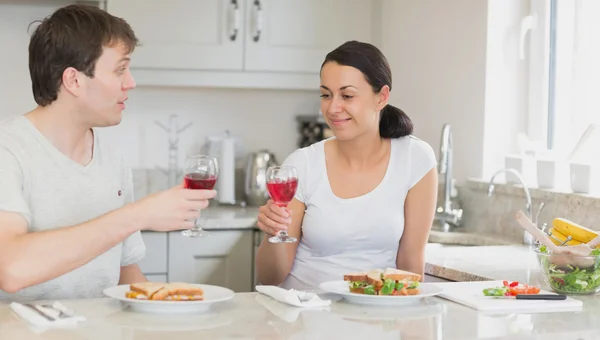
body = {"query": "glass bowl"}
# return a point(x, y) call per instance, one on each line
point(570, 274)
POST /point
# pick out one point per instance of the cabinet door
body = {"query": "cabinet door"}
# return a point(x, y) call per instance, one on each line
point(295, 36)
point(223, 259)
point(184, 34)
point(155, 261)
point(157, 278)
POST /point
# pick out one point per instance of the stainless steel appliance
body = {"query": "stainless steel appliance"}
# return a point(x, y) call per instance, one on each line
point(256, 172)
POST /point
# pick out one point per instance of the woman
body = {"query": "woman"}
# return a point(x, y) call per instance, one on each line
point(366, 197)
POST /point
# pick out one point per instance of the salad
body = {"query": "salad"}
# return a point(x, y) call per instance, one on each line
point(511, 289)
point(567, 278)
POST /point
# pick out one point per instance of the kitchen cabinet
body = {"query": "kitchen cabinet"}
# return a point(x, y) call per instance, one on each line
point(295, 36)
point(155, 261)
point(242, 43)
point(183, 34)
point(224, 258)
point(157, 278)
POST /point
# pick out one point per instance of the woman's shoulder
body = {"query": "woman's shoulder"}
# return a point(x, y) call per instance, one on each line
point(410, 145)
point(308, 153)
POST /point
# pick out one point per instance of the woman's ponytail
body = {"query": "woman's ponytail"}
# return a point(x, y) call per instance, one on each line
point(394, 123)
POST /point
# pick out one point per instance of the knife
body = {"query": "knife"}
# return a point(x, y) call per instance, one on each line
point(532, 297)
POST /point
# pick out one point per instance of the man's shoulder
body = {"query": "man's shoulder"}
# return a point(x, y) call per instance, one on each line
point(14, 134)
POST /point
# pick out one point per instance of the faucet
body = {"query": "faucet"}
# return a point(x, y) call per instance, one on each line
point(445, 215)
point(527, 237)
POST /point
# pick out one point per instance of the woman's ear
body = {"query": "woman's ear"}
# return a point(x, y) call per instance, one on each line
point(383, 97)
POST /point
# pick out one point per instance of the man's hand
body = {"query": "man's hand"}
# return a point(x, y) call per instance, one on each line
point(173, 209)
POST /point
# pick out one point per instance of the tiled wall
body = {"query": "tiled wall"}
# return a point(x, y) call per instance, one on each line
point(494, 216)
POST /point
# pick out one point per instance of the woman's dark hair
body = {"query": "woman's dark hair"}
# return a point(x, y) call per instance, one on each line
point(369, 60)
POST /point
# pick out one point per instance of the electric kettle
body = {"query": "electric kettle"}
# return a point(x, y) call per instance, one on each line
point(256, 177)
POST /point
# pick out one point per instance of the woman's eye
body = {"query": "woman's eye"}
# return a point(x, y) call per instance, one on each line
point(324, 96)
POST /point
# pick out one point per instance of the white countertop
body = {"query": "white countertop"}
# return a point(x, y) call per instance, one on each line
point(255, 316)
point(221, 217)
point(475, 263)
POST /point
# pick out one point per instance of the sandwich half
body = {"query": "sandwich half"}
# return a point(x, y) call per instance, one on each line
point(384, 282)
point(176, 291)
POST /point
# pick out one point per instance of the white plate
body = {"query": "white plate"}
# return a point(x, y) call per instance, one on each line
point(212, 294)
point(341, 288)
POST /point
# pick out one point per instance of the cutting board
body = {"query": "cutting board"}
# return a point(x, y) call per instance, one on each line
point(471, 295)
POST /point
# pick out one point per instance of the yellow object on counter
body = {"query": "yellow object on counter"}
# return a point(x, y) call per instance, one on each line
point(577, 232)
point(558, 238)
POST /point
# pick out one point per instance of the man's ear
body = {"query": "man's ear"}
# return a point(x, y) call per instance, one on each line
point(71, 81)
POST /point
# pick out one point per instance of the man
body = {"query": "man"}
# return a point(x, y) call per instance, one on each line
point(68, 224)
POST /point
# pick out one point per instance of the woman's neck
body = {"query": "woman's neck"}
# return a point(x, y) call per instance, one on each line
point(362, 152)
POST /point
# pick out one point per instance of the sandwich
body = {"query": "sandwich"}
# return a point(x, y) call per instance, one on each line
point(384, 282)
point(176, 291)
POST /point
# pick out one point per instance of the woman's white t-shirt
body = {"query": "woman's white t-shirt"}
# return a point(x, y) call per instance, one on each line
point(362, 233)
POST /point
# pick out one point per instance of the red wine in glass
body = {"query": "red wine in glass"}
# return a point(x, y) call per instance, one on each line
point(200, 173)
point(199, 182)
point(282, 192)
point(282, 182)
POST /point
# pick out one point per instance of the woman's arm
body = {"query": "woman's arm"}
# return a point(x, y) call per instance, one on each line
point(274, 260)
point(419, 211)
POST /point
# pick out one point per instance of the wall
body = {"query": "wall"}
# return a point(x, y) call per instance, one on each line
point(455, 62)
point(15, 85)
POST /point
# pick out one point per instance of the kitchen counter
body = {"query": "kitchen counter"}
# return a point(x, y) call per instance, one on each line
point(222, 217)
point(479, 263)
point(255, 316)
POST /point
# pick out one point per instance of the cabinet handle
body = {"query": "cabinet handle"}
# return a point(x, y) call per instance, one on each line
point(259, 19)
point(234, 19)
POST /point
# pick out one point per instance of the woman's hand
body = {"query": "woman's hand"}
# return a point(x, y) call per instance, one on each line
point(272, 219)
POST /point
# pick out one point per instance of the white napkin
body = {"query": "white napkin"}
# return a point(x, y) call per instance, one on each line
point(286, 312)
point(291, 297)
point(40, 323)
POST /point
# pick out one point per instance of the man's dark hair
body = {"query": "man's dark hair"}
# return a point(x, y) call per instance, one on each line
point(73, 36)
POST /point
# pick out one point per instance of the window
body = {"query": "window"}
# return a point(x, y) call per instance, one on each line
point(565, 74)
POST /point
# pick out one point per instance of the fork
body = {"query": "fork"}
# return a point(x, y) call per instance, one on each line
point(35, 308)
point(304, 296)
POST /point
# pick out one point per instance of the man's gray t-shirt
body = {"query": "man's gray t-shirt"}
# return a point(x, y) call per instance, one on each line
point(52, 191)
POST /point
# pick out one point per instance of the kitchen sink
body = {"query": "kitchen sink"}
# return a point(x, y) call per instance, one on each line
point(465, 239)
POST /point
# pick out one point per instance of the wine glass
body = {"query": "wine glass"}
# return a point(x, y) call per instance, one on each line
point(200, 173)
point(282, 182)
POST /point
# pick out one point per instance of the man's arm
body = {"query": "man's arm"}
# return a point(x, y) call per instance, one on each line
point(27, 259)
point(131, 274)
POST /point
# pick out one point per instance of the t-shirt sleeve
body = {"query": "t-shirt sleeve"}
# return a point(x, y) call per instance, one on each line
point(11, 185)
point(298, 160)
point(134, 248)
point(422, 160)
